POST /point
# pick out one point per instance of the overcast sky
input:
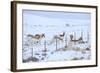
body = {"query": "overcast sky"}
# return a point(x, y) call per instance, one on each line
point(60, 14)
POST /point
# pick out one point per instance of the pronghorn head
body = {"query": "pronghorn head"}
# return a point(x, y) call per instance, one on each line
point(62, 35)
point(43, 35)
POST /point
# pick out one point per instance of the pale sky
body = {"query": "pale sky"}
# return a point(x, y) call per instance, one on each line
point(59, 14)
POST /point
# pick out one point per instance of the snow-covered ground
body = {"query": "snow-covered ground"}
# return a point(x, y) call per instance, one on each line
point(61, 53)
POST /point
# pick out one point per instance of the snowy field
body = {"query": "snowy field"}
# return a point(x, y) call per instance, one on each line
point(55, 43)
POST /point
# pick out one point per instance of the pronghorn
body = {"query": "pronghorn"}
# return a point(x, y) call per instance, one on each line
point(37, 37)
point(79, 40)
point(75, 40)
point(59, 37)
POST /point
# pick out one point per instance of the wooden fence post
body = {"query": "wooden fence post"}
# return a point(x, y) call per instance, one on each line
point(56, 43)
point(45, 46)
point(74, 38)
point(32, 52)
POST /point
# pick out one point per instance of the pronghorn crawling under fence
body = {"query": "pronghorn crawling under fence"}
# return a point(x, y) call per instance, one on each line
point(79, 40)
